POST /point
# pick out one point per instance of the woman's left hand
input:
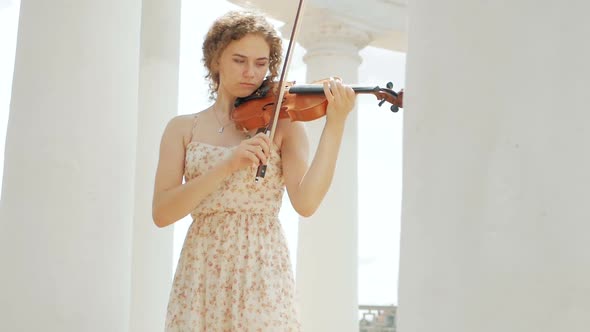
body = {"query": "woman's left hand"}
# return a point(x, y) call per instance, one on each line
point(341, 99)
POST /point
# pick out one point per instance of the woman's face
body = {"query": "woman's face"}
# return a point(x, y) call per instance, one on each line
point(243, 65)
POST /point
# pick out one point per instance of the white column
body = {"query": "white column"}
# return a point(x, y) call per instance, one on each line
point(158, 99)
point(495, 221)
point(67, 198)
point(327, 249)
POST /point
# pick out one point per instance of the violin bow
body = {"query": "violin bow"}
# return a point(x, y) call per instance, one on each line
point(261, 171)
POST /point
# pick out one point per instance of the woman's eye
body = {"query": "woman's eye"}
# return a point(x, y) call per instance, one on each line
point(238, 61)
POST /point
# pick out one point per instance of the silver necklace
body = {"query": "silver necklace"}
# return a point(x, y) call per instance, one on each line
point(222, 126)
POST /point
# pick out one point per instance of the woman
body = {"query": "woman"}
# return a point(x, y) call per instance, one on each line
point(234, 273)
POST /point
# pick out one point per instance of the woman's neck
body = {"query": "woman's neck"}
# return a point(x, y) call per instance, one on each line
point(223, 106)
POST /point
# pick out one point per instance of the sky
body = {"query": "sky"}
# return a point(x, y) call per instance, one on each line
point(380, 138)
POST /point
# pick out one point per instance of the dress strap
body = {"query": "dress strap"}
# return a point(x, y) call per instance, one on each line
point(193, 127)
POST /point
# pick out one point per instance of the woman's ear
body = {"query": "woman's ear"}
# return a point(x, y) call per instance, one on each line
point(215, 66)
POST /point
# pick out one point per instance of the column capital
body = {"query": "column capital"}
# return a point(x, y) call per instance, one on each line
point(385, 19)
point(322, 32)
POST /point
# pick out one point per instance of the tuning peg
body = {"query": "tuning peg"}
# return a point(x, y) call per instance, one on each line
point(389, 85)
point(394, 108)
point(382, 101)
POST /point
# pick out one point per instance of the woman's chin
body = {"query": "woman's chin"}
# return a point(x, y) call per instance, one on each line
point(244, 93)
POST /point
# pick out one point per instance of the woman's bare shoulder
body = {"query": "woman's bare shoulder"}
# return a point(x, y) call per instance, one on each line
point(182, 125)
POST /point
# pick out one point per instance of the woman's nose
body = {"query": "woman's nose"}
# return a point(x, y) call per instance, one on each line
point(248, 71)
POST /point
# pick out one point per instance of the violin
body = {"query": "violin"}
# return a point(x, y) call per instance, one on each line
point(303, 102)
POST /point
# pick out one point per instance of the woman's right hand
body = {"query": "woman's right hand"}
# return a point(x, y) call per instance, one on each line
point(251, 152)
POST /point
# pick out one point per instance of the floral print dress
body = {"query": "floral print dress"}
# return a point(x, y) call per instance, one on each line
point(234, 272)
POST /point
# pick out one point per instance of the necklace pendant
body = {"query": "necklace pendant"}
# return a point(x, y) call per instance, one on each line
point(220, 130)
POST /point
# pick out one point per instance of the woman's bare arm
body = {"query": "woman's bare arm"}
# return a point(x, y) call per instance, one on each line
point(172, 199)
point(307, 186)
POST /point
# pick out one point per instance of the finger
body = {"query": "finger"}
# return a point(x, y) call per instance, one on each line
point(327, 91)
point(350, 93)
point(244, 154)
point(265, 148)
point(336, 87)
point(265, 137)
point(263, 142)
point(261, 135)
point(258, 153)
point(266, 144)
point(261, 155)
point(253, 159)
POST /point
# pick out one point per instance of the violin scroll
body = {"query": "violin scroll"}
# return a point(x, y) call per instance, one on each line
point(396, 99)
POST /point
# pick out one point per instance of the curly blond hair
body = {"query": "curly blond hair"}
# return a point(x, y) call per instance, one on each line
point(233, 26)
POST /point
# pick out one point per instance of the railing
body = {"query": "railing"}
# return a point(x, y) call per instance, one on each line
point(374, 318)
